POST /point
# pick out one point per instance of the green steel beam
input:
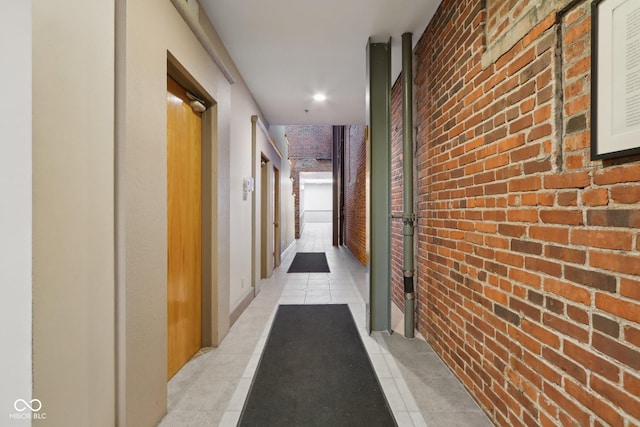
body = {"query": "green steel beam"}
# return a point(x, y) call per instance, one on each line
point(379, 194)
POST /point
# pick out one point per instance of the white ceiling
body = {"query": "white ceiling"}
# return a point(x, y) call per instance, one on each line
point(288, 50)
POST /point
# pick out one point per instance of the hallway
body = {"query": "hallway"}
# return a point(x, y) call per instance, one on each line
point(526, 194)
point(421, 391)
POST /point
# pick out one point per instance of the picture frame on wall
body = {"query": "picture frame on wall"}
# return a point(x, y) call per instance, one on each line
point(615, 78)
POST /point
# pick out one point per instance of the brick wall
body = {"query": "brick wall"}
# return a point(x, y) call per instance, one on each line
point(397, 242)
point(528, 253)
point(502, 14)
point(310, 150)
point(355, 191)
point(310, 142)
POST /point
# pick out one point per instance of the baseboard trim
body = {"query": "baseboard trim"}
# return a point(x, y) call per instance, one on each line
point(284, 253)
point(241, 307)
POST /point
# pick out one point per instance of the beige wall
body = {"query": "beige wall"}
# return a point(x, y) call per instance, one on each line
point(93, 291)
point(287, 224)
point(151, 30)
point(16, 213)
point(73, 211)
point(264, 148)
point(242, 108)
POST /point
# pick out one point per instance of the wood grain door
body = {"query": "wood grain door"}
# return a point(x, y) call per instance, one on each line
point(184, 211)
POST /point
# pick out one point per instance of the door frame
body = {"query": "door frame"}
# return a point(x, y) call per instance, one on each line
point(214, 312)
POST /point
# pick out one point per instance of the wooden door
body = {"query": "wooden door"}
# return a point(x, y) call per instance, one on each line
point(184, 211)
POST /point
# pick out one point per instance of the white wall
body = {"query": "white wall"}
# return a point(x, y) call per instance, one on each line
point(16, 214)
point(318, 202)
point(318, 197)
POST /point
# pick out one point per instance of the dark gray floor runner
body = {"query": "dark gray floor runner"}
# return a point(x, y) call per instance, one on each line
point(315, 371)
point(309, 262)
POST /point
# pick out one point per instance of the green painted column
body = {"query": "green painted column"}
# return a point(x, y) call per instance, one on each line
point(379, 187)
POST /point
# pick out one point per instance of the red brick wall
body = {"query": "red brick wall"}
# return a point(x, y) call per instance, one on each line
point(310, 142)
point(397, 243)
point(528, 253)
point(355, 191)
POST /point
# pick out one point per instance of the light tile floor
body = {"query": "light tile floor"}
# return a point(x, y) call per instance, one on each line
point(211, 389)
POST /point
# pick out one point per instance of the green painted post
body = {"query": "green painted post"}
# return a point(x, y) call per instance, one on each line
point(379, 191)
point(408, 216)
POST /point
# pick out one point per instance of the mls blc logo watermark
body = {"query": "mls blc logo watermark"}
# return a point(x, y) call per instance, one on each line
point(28, 410)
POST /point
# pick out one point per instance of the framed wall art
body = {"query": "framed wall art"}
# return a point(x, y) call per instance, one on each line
point(615, 78)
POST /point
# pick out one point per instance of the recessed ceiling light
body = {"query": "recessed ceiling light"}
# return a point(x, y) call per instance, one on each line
point(319, 97)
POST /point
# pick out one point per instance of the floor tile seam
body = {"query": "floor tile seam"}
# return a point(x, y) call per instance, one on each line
point(389, 355)
point(246, 335)
point(416, 377)
point(406, 394)
point(397, 414)
point(452, 412)
point(450, 376)
point(221, 402)
point(240, 394)
point(393, 366)
point(258, 350)
point(379, 370)
point(222, 358)
point(391, 391)
point(240, 354)
point(402, 387)
point(218, 377)
point(420, 422)
point(234, 420)
point(383, 379)
point(190, 381)
point(195, 410)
